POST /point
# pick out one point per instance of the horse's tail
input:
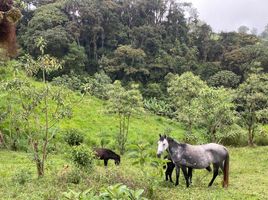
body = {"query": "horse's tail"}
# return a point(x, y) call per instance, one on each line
point(226, 172)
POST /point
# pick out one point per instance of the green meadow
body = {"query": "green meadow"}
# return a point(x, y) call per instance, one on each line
point(248, 178)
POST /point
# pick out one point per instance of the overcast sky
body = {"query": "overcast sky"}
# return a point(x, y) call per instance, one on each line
point(228, 15)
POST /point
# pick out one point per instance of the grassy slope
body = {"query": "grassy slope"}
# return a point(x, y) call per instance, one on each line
point(248, 178)
point(90, 117)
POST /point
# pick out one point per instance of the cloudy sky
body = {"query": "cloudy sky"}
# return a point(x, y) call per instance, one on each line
point(228, 15)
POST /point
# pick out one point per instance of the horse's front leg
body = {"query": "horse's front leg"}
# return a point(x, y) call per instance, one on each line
point(105, 162)
point(184, 170)
point(177, 175)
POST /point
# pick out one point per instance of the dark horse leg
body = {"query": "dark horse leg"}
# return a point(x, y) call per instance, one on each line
point(190, 174)
point(184, 170)
point(105, 162)
point(215, 173)
point(169, 170)
point(209, 168)
point(177, 174)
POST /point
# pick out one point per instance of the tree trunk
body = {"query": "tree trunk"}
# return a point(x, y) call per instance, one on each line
point(250, 136)
point(38, 161)
point(2, 140)
point(213, 134)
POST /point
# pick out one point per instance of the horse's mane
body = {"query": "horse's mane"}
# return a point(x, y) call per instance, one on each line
point(171, 142)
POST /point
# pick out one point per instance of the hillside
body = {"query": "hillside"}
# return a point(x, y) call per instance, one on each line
point(90, 118)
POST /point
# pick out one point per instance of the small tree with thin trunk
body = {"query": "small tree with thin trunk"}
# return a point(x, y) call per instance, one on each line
point(124, 103)
point(252, 103)
point(41, 106)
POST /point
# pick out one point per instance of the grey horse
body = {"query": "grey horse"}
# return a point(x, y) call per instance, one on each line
point(196, 157)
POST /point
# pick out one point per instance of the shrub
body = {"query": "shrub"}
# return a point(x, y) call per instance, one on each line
point(153, 90)
point(262, 137)
point(22, 176)
point(85, 195)
point(98, 85)
point(82, 157)
point(236, 136)
point(117, 191)
point(69, 175)
point(120, 191)
point(74, 137)
point(158, 107)
point(72, 82)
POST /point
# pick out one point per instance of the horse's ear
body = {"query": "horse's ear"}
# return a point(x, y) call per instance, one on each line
point(160, 135)
point(165, 136)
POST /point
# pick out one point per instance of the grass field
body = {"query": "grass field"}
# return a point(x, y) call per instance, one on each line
point(248, 178)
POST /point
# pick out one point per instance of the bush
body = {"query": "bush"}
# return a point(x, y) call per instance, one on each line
point(98, 85)
point(120, 191)
point(236, 136)
point(153, 90)
point(82, 157)
point(262, 137)
point(74, 137)
point(85, 195)
point(117, 191)
point(22, 176)
point(72, 82)
point(74, 176)
point(158, 107)
point(224, 78)
point(69, 175)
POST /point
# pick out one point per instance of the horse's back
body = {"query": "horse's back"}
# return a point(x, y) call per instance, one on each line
point(104, 153)
point(216, 152)
point(201, 156)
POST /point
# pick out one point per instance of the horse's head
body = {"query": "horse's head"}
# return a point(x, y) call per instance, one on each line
point(162, 145)
point(117, 160)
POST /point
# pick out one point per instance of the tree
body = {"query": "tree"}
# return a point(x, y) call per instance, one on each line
point(243, 61)
point(254, 31)
point(264, 34)
point(216, 111)
point(128, 63)
point(243, 29)
point(124, 103)
point(224, 78)
point(252, 103)
point(49, 22)
point(40, 107)
point(184, 90)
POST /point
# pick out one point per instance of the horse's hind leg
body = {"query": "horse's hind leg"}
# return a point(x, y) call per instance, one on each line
point(190, 174)
point(215, 173)
point(184, 170)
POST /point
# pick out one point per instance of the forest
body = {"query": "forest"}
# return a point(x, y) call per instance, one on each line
point(81, 74)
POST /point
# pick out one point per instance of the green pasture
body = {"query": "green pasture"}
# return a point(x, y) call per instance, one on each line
point(248, 178)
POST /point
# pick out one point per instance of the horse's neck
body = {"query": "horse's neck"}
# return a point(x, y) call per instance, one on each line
point(175, 147)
